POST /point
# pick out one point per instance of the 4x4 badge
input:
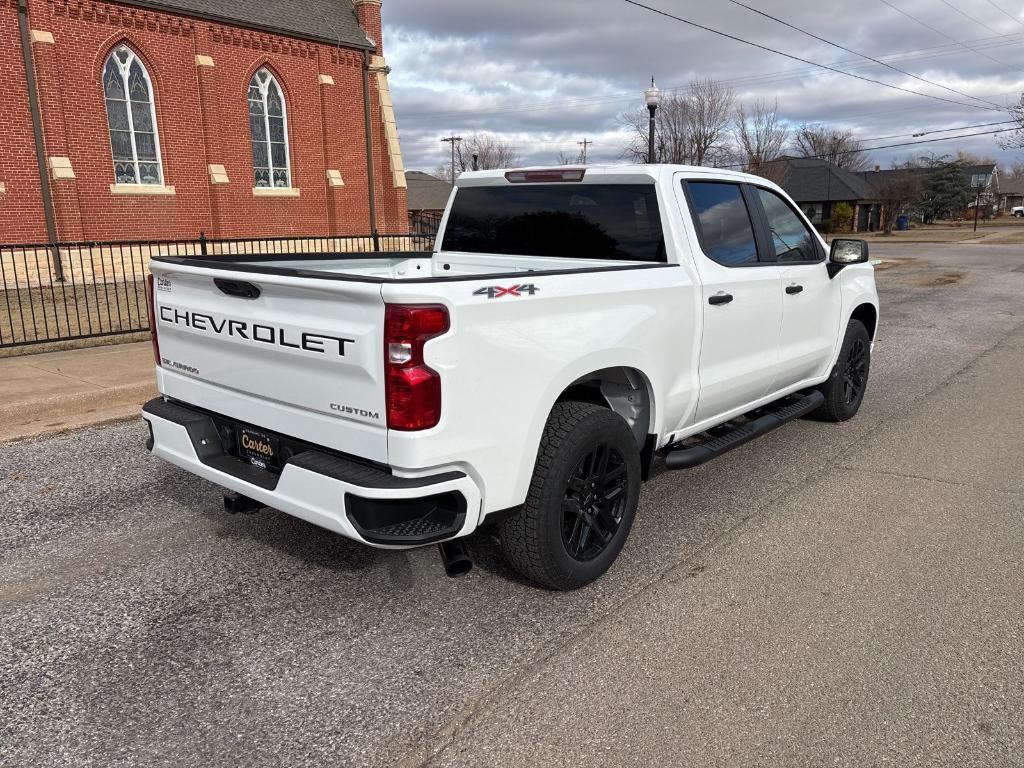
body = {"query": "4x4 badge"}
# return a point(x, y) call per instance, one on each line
point(497, 291)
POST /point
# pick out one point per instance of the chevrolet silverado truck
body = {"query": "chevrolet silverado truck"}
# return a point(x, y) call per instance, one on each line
point(570, 326)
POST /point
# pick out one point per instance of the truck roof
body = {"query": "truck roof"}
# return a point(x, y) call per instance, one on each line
point(621, 173)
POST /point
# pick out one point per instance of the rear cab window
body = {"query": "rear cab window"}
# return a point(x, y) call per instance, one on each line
point(724, 225)
point(583, 221)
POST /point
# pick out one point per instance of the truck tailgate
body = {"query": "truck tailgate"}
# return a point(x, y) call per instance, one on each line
point(297, 355)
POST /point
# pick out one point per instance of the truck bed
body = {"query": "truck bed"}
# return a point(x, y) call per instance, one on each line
point(383, 266)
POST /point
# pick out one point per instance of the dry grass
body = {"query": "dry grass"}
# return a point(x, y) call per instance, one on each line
point(66, 310)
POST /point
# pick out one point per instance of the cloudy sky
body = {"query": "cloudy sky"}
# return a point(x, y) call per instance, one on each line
point(545, 74)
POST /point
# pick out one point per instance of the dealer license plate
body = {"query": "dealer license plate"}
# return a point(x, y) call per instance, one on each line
point(259, 449)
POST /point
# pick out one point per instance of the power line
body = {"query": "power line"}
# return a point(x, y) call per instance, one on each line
point(857, 53)
point(938, 130)
point(622, 97)
point(567, 142)
point(968, 17)
point(943, 34)
point(885, 146)
point(798, 58)
point(1007, 15)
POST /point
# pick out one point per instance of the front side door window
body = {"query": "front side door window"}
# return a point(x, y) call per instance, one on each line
point(792, 241)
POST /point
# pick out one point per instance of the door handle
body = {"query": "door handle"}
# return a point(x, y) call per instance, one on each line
point(237, 288)
point(720, 298)
point(791, 289)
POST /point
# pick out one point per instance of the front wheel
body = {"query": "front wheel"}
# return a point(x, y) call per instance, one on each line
point(844, 390)
point(582, 499)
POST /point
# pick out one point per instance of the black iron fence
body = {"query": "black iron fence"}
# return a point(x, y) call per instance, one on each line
point(72, 291)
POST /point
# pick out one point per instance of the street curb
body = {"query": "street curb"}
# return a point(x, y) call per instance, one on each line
point(62, 413)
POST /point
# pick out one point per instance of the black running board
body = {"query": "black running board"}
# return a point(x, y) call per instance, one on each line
point(713, 447)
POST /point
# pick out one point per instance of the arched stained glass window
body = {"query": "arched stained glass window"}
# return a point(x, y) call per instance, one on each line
point(131, 118)
point(268, 124)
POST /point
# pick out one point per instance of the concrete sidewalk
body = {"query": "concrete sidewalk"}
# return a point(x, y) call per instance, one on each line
point(57, 391)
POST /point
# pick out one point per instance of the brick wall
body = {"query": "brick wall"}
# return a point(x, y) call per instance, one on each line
point(202, 119)
point(21, 205)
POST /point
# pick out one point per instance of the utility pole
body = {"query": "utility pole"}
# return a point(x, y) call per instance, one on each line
point(977, 205)
point(453, 140)
point(585, 143)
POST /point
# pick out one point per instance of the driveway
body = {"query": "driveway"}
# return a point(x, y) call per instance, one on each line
point(830, 594)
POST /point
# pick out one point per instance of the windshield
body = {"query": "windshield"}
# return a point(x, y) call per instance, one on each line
point(576, 221)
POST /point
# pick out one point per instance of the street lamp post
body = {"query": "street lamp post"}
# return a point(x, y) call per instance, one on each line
point(652, 96)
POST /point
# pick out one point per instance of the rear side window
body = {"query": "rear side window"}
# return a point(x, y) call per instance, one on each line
point(723, 222)
point(576, 221)
point(792, 241)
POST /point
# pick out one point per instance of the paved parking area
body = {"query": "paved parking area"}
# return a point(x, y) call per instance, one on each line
point(841, 595)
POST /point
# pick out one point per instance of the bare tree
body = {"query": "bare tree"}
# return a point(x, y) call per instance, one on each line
point(970, 158)
point(1014, 171)
point(708, 120)
point(564, 158)
point(1015, 138)
point(691, 126)
point(898, 192)
point(671, 140)
point(760, 135)
point(836, 145)
point(491, 152)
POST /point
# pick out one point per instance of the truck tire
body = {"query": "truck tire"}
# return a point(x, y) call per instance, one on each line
point(581, 502)
point(844, 390)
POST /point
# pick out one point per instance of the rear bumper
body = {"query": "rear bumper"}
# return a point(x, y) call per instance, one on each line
point(365, 503)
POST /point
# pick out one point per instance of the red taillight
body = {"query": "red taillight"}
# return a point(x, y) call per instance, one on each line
point(151, 297)
point(413, 388)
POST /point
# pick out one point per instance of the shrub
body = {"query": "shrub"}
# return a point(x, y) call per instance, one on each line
point(842, 217)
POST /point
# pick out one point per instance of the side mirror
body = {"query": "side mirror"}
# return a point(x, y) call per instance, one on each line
point(846, 252)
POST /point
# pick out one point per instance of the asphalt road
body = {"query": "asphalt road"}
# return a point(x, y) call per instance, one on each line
point(841, 595)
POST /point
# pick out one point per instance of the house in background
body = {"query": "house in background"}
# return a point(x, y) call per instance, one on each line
point(427, 194)
point(817, 186)
point(983, 177)
point(164, 119)
point(1011, 194)
point(428, 197)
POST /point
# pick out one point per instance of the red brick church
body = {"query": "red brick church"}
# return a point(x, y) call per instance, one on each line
point(160, 120)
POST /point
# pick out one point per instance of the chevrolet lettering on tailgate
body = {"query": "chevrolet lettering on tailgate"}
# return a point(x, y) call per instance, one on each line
point(265, 334)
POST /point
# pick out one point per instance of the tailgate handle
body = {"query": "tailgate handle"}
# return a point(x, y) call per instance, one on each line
point(237, 288)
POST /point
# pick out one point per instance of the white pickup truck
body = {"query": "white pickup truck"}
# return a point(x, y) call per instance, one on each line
point(570, 326)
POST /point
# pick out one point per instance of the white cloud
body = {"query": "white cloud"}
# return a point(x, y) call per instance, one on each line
point(546, 74)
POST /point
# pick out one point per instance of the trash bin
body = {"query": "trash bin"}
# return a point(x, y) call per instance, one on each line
point(902, 223)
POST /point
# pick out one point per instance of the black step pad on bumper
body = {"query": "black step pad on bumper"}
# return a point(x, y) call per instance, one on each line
point(379, 518)
point(205, 436)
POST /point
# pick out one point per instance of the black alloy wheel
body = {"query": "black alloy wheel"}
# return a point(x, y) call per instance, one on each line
point(844, 390)
point(855, 375)
point(582, 498)
point(594, 503)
